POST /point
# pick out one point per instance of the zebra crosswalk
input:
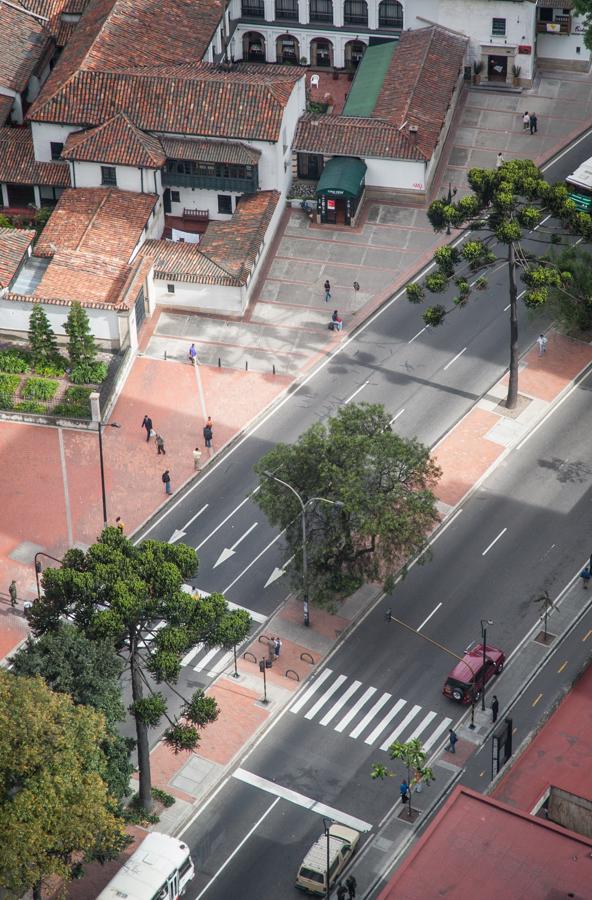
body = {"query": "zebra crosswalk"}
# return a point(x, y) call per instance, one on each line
point(375, 718)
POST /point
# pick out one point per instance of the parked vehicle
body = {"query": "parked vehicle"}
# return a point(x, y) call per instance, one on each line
point(312, 874)
point(468, 677)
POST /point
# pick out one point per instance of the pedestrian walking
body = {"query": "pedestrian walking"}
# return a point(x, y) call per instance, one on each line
point(452, 739)
point(356, 289)
point(12, 593)
point(351, 885)
point(119, 525)
point(166, 480)
point(585, 576)
point(542, 342)
point(208, 435)
point(404, 791)
point(533, 123)
point(196, 458)
point(327, 291)
point(193, 355)
point(277, 646)
point(526, 121)
point(160, 445)
point(494, 708)
point(499, 161)
point(341, 891)
point(336, 321)
point(147, 424)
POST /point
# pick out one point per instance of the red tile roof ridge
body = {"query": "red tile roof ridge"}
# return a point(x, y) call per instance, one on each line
point(124, 134)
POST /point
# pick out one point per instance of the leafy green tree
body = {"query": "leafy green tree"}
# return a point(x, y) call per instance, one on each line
point(383, 487)
point(119, 592)
point(89, 671)
point(505, 205)
point(42, 340)
point(5, 222)
point(54, 803)
point(571, 302)
point(414, 758)
point(584, 8)
point(82, 349)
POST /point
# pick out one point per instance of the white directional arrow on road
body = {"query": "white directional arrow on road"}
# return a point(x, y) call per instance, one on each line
point(179, 533)
point(176, 536)
point(230, 551)
point(277, 573)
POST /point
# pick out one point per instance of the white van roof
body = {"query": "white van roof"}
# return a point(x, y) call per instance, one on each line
point(582, 177)
point(316, 858)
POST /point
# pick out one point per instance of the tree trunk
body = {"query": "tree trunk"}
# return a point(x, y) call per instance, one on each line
point(37, 895)
point(142, 736)
point(512, 397)
point(409, 789)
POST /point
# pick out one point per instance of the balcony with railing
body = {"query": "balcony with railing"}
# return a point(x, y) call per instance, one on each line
point(247, 185)
point(559, 25)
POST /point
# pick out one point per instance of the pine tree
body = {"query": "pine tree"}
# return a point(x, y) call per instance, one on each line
point(42, 340)
point(82, 349)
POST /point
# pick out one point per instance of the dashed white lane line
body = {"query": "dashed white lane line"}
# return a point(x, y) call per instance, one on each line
point(454, 358)
point(301, 800)
point(494, 541)
point(396, 416)
point(415, 336)
point(427, 619)
point(356, 392)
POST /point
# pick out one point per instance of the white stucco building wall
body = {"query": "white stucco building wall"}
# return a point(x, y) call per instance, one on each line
point(14, 317)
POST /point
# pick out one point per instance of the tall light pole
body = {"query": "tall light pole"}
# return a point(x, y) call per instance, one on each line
point(327, 825)
point(38, 568)
point(103, 491)
point(303, 505)
point(484, 624)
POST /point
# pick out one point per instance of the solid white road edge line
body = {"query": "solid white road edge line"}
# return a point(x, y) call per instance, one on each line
point(433, 540)
point(494, 541)
point(567, 150)
point(237, 848)
point(550, 412)
point(301, 800)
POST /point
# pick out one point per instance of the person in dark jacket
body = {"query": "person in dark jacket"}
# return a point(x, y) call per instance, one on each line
point(166, 480)
point(494, 707)
point(352, 885)
point(147, 424)
point(208, 435)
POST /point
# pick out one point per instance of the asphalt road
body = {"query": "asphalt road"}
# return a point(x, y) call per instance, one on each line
point(251, 837)
point(427, 379)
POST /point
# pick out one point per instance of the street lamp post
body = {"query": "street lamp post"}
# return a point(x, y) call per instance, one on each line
point(484, 624)
point(38, 569)
point(103, 491)
point(327, 825)
point(262, 668)
point(303, 505)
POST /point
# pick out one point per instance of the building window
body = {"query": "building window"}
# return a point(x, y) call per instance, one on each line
point(390, 14)
point(176, 196)
point(355, 12)
point(309, 165)
point(498, 27)
point(253, 9)
point(286, 9)
point(321, 11)
point(56, 149)
point(225, 204)
point(171, 288)
point(108, 175)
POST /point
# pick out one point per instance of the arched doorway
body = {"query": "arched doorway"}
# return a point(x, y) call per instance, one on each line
point(321, 52)
point(253, 46)
point(287, 50)
point(354, 51)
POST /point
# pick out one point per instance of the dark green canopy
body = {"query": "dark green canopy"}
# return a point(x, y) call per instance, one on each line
point(343, 176)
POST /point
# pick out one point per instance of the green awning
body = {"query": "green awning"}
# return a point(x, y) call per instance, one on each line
point(370, 76)
point(343, 176)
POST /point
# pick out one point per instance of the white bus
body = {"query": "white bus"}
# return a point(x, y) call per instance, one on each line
point(160, 869)
point(580, 186)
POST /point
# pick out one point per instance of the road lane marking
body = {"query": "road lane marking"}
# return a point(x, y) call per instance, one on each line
point(433, 612)
point(415, 336)
point(536, 700)
point(421, 727)
point(453, 360)
point(494, 541)
point(442, 727)
point(237, 848)
point(256, 616)
point(253, 561)
point(329, 716)
point(352, 713)
point(555, 159)
point(326, 696)
point(585, 638)
point(356, 392)
point(575, 385)
point(370, 715)
point(542, 222)
point(561, 667)
point(386, 720)
point(230, 551)
point(432, 541)
point(192, 653)
point(193, 518)
point(400, 727)
point(205, 659)
point(326, 673)
point(291, 796)
point(229, 516)
point(396, 416)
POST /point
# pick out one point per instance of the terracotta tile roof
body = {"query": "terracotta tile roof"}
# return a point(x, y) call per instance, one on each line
point(83, 277)
point(204, 100)
point(24, 44)
point(420, 82)
point(18, 165)
point(50, 13)
point(117, 142)
point(228, 250)
point(5, 107)
point(105, 221)
point(349, 136)
point(14, 243)
point(210, 151)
